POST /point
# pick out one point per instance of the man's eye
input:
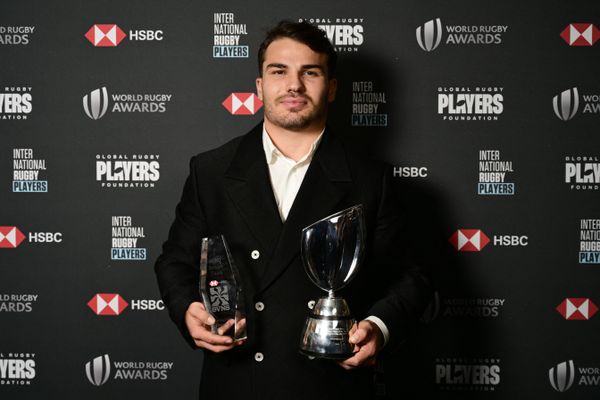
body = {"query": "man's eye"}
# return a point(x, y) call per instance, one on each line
point(311, 73)
point(278, 72)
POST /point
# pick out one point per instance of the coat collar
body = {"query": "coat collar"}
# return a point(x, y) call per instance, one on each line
point(248, 183)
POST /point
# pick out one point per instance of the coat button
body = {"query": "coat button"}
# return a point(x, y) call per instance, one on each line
point(258, 357)
point(255, 254)
point(311, 304)
point(259, 306)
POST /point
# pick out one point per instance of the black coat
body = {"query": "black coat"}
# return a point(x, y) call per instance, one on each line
point(228, 192)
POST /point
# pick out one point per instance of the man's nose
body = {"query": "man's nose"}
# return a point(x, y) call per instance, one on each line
point(295, 83)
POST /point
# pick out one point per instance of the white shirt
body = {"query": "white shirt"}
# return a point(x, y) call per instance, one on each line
point(286, 178)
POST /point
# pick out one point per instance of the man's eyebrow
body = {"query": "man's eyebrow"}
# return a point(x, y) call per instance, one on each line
point(276, 65)
point(307, 66)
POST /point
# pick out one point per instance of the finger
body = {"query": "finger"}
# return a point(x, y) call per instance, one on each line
point(359, 336)
point(198, 311)
point(225, 327)
point(211, 338)
point(212, 347)
point(363, 357)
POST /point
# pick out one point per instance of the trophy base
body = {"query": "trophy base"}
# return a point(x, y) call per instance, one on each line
point(326, 331)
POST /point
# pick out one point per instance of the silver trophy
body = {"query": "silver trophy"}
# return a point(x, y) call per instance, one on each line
point(221, 288)
point(332, 250)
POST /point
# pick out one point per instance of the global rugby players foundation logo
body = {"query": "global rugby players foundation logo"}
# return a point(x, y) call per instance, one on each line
point(577, 309)
point(242, 103)
point(105, 35)
point(10, 237)
point(107, 304)
point(580, 34)
point(566, 104)
point(562, 376)
point(469, 240)
point(95, 103)
point(429, 35)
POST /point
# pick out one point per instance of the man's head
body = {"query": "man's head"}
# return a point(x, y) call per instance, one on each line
point(296, 62)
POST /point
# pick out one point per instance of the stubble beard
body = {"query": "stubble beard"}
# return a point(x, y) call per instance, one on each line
point(295, 119)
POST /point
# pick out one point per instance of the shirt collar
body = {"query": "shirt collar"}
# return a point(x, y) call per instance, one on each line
point(271, 151)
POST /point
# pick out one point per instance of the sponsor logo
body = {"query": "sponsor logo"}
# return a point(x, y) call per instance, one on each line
point(26, 171)
point(470, 103)
point(17, 303)
point(111, 35)
point(477, 374)
point(492, 174)
point(11, 237)
point(97, 102)
point(563, 376)
point(17, 369)
point(589, 244)
point(474, 308)
point(409, 172)
point(580, 34)
point(101, 369)
point(242, 103)
point(474, 240)
point(365, 105)
point(582, 172)
point(125, 240)
point(345, 34)
point(577, 309)
point(15, 35)
point(570, 101)
point(107, 304)
point(15, 103)
point(127, 171)
point(227, 34)
point(431, 34)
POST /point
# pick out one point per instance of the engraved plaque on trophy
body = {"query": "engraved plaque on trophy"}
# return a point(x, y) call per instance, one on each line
point(221, 288)
point(332, 250)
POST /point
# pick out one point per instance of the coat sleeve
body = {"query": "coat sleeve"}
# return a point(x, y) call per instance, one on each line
point(396, 252)
point(177, 268)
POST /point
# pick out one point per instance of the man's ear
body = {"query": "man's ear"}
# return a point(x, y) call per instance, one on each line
point(332, 90)
point(259, 88)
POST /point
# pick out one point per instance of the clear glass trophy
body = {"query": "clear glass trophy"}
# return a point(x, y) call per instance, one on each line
point(332, 250)
point(221, 288)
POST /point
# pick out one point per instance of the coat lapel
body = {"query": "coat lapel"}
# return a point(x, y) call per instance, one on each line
point(325, 184)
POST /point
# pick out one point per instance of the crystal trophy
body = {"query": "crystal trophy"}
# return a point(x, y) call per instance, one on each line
point(221, 288)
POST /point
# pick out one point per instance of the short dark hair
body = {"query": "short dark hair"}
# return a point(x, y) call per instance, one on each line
point(302, 32)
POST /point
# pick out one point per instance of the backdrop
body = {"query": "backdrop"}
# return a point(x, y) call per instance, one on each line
point(488, 112)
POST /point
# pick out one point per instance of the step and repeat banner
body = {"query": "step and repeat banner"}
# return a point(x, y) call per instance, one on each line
point(488, 111)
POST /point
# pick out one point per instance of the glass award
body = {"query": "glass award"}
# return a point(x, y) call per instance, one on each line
point(221, 288)
point(332, 250)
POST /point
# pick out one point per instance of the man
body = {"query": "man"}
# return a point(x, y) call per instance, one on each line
point(259, 191)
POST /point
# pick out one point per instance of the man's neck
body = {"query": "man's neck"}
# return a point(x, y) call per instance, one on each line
point(293, 144)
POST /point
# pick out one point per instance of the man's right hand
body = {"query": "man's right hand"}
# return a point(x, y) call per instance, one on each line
point(199, 322)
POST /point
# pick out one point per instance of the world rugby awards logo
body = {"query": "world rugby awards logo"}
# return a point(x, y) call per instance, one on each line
point(566, 104)
point(429, 35)
point(95, 103)
point(562, 376)
point(98, 370)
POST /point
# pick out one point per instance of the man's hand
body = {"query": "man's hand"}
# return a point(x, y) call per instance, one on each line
point(367, 340)
point(199, 322)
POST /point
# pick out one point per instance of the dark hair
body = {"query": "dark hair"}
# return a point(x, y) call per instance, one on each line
point(302, 32)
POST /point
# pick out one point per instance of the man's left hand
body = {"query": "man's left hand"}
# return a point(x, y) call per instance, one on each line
point(367, 340)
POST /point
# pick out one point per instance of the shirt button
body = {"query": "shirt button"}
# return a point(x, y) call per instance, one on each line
point(255, 254)
point(258, 357)
point(259, 306)
point(311, 304)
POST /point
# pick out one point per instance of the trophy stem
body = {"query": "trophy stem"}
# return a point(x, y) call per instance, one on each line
point(330, 294)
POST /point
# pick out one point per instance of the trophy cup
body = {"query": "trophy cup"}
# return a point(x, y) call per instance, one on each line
point(221, 289)
point(331, 251)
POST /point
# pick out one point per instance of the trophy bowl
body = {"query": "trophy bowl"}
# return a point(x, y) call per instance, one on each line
point(332, 250)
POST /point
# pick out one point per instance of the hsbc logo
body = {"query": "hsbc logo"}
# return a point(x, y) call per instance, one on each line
point(429, 35)
point(474, 240)
point(242, 103)
point(10, 237)
point(577, 309)
point(105, 35)
point(110, 35)
point(580, 34)
point(107, 304)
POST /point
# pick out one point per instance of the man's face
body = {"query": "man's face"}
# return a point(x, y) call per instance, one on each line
point(295, 87)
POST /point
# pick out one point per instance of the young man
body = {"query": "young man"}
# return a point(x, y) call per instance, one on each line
point(259, 191)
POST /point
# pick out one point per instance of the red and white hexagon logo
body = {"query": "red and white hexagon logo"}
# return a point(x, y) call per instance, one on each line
point(577, 308)
point(105, 35)
point(10, 237)
point(107, 304)
point(242, 103)
point(469, 240)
